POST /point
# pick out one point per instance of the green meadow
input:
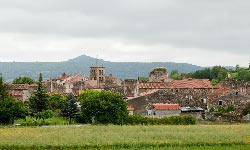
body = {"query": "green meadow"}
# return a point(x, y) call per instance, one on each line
point(127, 137)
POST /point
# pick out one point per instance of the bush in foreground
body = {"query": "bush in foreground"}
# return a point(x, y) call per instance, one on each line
point(103, 107)
point(173, 120)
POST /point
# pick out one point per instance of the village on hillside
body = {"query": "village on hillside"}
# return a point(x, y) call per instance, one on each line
point(160, 96)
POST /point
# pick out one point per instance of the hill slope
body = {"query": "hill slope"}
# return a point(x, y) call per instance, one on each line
point(81, 64)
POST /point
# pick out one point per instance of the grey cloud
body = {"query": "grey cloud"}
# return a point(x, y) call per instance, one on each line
point(209, 24)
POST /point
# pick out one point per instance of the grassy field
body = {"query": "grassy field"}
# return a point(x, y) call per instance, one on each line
point(127, 137)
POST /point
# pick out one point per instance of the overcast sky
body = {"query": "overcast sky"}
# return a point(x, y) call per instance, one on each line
point(200, 32)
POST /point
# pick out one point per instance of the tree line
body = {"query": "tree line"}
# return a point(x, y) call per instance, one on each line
point(215, 74)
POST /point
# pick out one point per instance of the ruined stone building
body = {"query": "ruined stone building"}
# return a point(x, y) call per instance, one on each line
point(158, 75)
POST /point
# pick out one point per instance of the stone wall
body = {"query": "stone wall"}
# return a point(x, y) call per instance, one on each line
point(167, 112)
point(235, 98)
point(243, 87)
point(54, 87)
point(130, 87)
point(183, 97)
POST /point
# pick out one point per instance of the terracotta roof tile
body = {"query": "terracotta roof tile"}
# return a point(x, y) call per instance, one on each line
point(16, 93)
point(154, 85)
point(192, 83)
point(18, 86)
point(143, 94)
point(219, 92)
point(161, 106)
point(148, 92)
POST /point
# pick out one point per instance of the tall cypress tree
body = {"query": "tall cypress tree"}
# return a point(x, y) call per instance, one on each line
point(40, 100)
point(70, 108)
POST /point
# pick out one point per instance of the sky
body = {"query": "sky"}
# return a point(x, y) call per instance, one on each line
point(199, 32)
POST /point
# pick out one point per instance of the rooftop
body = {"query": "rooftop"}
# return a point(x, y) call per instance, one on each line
point(161, 106)
point(192, 84)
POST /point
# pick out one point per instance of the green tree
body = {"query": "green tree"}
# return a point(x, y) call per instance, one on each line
point(23, 80)
point(57, 101)
point(46, 114)
point(3, 88)
point(246, 110)
point(70, 108)
point(175, 75)
point(103, 107)
point(214, 81)
point(219, 73)
point(10, 109)
point(40, 100)
point(243, 75)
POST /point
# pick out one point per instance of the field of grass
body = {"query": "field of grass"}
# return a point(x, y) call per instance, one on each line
point(127, 137)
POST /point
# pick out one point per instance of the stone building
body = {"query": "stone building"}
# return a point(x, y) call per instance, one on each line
point(161, 110)
point(98, 74)
point(21, 92)
point(113, 84)
point(227, 97)
point(158, 75)
point(130, 87)
point(240, 86)
point(65, 84)
point(52, 87)
point(186, 93)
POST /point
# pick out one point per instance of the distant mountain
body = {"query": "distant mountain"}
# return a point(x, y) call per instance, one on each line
point(81, 64)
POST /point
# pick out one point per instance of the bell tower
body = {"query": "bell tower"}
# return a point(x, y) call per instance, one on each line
point(97, 73)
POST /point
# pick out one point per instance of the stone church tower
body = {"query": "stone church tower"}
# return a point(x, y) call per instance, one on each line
point(97, 73)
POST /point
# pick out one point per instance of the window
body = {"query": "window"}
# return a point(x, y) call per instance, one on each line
point(203, 100)
point(220, 103)
point(236, 93)
point(177, 90)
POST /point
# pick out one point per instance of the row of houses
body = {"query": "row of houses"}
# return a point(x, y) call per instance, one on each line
point(159, 96)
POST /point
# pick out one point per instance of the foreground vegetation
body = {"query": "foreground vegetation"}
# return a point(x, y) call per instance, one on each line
point(127, 137)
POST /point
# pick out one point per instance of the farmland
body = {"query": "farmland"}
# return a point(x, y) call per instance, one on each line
point(126, 137)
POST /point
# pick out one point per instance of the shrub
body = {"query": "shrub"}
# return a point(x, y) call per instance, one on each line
point(211, 109)
point(246, 110)
point(103, 107)
point(173, 120)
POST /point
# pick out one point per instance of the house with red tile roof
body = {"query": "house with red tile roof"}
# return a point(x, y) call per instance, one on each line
point(21, 92)
point(192, 84)
point(161, 110)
